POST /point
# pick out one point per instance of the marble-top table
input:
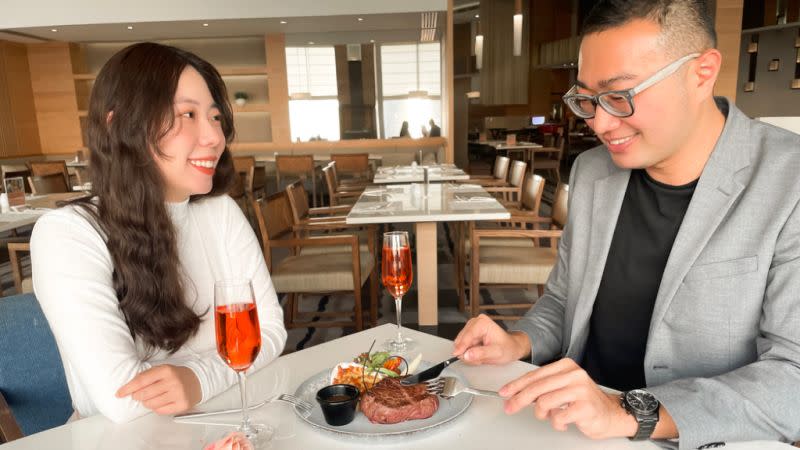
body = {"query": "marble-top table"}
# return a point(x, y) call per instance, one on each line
point(425, 206)
point(415, 174)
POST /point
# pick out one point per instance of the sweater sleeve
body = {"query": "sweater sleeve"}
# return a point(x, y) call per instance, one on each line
point(72, 279)
point(245, 260)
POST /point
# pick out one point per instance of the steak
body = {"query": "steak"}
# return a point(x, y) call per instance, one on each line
point(391, 402)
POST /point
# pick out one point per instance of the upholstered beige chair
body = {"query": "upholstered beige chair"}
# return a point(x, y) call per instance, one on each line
point(512, 190)
point(499, 173)
point(302, 273)
point(521, 265)
point(528, 206)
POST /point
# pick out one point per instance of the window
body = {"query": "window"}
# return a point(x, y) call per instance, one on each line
point(313, 104)
point(411, 83)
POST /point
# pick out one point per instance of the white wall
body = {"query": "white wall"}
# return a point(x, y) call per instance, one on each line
point(790, 123)
point(37, 13)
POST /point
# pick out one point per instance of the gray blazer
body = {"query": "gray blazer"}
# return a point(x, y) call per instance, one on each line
point(723, 351)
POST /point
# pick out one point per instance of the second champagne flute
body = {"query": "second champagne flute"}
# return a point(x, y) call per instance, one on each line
point(397, 274)
point(239, 341)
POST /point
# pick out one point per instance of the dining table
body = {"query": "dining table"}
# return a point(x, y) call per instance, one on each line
point(425, 205)
point(481, 425)
point(35, 206)
point(416, 173)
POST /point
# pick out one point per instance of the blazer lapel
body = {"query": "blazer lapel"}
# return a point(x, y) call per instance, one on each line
point(608, 195)
point(717, 189)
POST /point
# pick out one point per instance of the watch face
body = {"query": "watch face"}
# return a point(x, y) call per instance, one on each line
point(641, 401)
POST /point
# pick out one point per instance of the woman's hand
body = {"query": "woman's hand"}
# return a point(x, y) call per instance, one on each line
point(164, 389)
point(482, 341)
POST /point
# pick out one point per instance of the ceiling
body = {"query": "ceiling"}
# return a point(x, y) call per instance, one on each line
point(299, 30)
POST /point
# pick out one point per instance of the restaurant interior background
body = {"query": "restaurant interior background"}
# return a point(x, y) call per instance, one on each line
point(342, 77)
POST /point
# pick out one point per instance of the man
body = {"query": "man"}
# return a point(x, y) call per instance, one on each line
point(678, 275)
point(435, 131)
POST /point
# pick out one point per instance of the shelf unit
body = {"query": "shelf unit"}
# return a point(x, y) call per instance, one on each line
point(240, 61)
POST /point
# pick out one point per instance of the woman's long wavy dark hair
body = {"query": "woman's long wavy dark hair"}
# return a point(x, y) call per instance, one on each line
point(130, 111)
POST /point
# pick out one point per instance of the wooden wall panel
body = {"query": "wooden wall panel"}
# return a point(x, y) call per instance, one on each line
point(728, 24)
point(275, 47)
point(54, 97)
point(19, 127)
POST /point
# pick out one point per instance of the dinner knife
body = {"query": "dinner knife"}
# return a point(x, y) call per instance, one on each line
point(428, 374)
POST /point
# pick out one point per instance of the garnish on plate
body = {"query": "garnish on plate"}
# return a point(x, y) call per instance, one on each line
point(369, 368)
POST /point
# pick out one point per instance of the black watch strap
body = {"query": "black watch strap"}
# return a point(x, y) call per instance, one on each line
point(646, 427)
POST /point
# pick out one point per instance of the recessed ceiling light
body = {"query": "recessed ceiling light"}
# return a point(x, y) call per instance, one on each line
point(360, 19)
point(283, 22)
point(130, 27)
point(372, 41)
point(477, 16)
point(54, 30)
point(310, 42)
point(205, 24)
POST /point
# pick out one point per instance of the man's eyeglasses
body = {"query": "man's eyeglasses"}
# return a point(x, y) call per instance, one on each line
point(618, 103)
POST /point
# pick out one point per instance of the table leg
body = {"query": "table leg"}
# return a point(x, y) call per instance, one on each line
point(427, 282)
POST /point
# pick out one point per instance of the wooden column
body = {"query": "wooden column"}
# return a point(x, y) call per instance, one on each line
point(728, 24)
point(55, 97)
point(448, 121)
point(19, 132)
point(278, 85)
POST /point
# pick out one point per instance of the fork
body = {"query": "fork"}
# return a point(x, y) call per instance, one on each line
point(301, 405)
point(452, 386)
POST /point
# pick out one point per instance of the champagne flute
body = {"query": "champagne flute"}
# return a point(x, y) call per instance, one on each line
point(239, 341)
point(397, 274)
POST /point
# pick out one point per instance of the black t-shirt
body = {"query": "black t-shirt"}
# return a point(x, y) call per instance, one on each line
point(648, 222)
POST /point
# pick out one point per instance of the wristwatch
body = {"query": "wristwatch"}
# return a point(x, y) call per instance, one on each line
point(643, 406)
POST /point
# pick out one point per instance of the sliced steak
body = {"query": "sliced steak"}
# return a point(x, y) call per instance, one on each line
point(391, 402)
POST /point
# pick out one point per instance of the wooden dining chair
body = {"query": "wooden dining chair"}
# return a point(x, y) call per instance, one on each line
point(48, 184)
point(338, 194)
point(548, 159)
point(519, 265)
point(253, 177)
point(303, 273)
point(511, 191)
point(33, 388)
point(499, 174)
point(353, 166)
point(43, 168)
point(23, 283)
point(292, 167)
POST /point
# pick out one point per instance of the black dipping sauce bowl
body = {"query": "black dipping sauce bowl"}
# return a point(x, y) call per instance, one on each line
point(338, 403)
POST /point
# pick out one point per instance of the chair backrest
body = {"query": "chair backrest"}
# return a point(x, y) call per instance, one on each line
point(32, 380)
point(532, 193)
point(555, 141)
point(517, 173)
point(352, 164)
point(501, 164)
point(298, 200)
point(274, 220)
point(329, 172)
point(42, 168)
point(560, 205)
point(48, 184)
point(294, 164)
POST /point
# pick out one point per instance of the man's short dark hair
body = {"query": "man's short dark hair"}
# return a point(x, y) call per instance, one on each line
point(687, 25)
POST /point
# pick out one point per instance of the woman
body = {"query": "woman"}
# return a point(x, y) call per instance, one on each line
point(126, 278)
point(404, 129)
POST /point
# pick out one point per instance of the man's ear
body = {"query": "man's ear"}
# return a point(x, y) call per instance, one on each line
point(706, 71)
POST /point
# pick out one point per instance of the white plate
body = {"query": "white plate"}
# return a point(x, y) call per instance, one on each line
point(361, 427)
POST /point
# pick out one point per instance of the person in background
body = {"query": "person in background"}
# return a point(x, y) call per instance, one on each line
point(678, 272)
point(435, 130)
point(126, 278)
point(404, 129)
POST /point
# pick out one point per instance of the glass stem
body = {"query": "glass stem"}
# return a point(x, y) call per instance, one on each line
point(398, 305)
point(243, 391)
